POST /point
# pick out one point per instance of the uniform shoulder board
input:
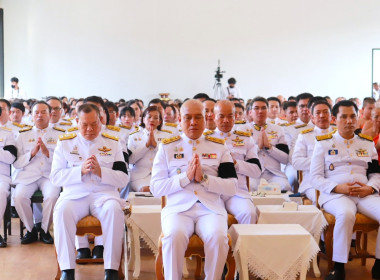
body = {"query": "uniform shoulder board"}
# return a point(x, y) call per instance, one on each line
point(242, 133)
point(240, 122)
point(324, 137)
point(300, 126)
point(365, 136)
point(114, 128)
point(67, 136)
point(18, 124)
point(6, 128)
point(106, 135)
point(171, 124)
point(208, 132)
point(168, 131)
point(170, 140)
point(75, 128)
point(59, 129)
point(68, 119)
point(65, 123)
point(283, 124)
point(307, 130)
point(137, 130)
point(124, 126)
point(215, 140)
point(25, 129)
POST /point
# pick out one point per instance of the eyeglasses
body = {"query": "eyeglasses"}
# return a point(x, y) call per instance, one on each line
point(56, 108)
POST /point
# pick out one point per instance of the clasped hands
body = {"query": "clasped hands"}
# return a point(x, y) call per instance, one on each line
point(263, 141)
point(194, 171)
point(151, 141)
point(352, 190)
point(91, 165)
point(40, 145)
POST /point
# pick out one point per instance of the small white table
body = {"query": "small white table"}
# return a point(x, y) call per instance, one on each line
point(272, 251)
point(308, 216)
point(274, 199)
point(143, 198)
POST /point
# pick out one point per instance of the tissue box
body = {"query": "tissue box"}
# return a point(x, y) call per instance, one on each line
point(268, 188)
point(290, 206)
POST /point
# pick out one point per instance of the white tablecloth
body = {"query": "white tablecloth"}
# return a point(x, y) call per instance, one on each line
point(308, 216)
point(274, 199)
point(146, 219)
point(143, 198)
point(272, 251)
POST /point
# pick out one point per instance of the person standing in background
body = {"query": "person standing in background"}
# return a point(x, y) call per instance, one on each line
point(15, 92)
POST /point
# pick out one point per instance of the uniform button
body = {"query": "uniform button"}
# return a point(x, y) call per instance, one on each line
point(195, 193)
point(348, 146)
point(150, 159)
point(349, 163)
point(194, 148)
point(352, 172)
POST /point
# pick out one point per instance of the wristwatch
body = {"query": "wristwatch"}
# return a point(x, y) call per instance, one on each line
point(204, 178)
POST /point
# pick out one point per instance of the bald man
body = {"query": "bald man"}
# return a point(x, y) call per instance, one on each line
point(244, 154)
point(193, 171)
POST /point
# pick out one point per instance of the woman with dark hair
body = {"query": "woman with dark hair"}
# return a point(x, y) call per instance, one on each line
point(135, 106)
point(143, 144)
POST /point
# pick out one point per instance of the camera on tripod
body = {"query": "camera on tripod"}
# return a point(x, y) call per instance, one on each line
point(218, 73)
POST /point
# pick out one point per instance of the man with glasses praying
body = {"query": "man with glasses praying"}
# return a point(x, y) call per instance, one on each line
point(56, 114)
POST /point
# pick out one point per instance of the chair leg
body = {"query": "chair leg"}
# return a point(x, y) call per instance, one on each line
point(58, 275)
point(21, 229)
point(198, 269)
point(329, 246)
point(120, 272)
point(231, 266)
point(159, 266)
point(364, 249)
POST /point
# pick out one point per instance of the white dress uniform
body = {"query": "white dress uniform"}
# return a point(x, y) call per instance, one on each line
point(271, 159)
point(8, 153)
point(244, 152)
point(174, 128)
point(88, 194)
point(242, 126)
point(142, 157)
point(193, 207)
point(63, 124)
point(301, 158)
point(33, 174)
point(335, 161)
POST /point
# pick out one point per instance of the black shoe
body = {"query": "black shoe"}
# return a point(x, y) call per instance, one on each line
point(68, 274)
point(45, 237)
point(3, 244)
point(376, 272)
point(84, 253)
point(30, 236)
point(97, 252)
point(111, 274)
point(336, 275)
point(353, 243)
point(14, 213)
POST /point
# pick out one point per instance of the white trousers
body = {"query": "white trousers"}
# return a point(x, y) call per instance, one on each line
point(67, 213)
point(4, 192)
point(210, 227)
point(310, 194)
point(243, 209)
point(344, 209)
point(22, 197)
point(37, 212)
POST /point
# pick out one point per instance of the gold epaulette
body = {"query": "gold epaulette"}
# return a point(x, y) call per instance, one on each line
point(307, 130)
point(68, 119)
point(67, 136)
point(109, 136)
point(242, 133)
point(137, 130)
point(287, 124)
point(168, 131)
point(240, 122)
point(65, 123)
point(6, 128)
point(114, 128)
point(25, 129)
point(171, 124)
point(170, 140)
point(75, 128)
point(215, 140)
point(59, 129)
point(208, 132)
point(300, 125)
point(18, 124)
point(365, 136)
point(124, 126)
point(258, 128)
point(324, 137)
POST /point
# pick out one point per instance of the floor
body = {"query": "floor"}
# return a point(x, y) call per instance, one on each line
point(37, 261)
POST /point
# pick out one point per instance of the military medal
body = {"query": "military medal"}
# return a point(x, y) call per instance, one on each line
point(362, 153)
point(208, 156)
point(179, 170)
point(331, 167)
point(333, 152)
point(179, 156)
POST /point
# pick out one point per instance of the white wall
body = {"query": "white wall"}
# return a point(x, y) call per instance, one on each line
point(138, 48)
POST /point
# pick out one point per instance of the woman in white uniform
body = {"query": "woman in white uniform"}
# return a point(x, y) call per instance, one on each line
point(143, 143)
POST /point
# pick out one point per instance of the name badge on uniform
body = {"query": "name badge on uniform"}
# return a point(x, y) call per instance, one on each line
point(333, 152)
point(179, 156)
point(75, 151)
point(209, 156)
point(362, 153)
point(51, 141)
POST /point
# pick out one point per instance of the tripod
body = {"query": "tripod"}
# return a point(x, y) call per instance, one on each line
point(218, 90)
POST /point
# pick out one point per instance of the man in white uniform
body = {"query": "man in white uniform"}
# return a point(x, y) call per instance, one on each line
point(303, 150)
point(35, 148)
point(193, 171)
point(8, 153)
point(244, 154)
point(90, 167)
point(345, 169)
